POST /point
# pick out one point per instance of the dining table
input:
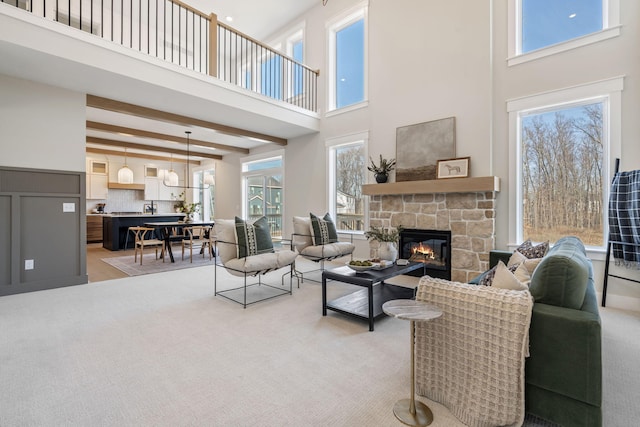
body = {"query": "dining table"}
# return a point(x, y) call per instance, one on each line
point(163, 231)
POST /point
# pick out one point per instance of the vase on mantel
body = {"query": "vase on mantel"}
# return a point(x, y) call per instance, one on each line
point(388, 251)
point(381, 178)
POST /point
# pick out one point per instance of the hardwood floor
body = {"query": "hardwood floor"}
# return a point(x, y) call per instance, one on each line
point(99, 271)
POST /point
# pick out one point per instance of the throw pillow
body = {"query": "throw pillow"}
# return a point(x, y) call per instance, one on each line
point(530, 251)
point(253, 239)
point(505, 279)
point(522, 274)
point(323, 230)
point(487, 278)
point(517, 258)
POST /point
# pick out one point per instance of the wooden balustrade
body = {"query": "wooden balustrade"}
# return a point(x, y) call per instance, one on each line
point(176, 32)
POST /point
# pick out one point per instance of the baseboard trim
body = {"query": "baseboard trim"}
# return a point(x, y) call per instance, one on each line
point(621, 302)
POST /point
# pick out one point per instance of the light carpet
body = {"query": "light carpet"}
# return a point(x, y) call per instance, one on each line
point(150, 265)
point(161, 350)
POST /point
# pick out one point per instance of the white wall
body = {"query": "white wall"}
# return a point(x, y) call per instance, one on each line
point(41, 126)
point(427, 61)
point(430, 60)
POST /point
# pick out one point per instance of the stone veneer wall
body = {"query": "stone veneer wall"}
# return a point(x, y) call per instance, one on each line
point(469, 216)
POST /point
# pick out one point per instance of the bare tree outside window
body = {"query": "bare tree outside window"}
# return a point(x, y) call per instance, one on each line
point(562, 174)
point(350, 176)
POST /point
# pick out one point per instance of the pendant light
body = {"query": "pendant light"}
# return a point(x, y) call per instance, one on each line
point(171, 179)
point(188, 173)
point(125, 175)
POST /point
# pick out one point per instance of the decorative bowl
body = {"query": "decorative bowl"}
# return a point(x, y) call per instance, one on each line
point(360, 268)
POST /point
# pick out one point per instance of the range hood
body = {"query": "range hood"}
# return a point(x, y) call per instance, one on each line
point(117, 185)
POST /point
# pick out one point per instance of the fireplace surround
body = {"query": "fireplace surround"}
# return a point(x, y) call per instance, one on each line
point(469, 216)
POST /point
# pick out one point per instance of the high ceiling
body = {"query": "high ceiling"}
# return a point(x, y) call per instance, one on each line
point(256, 18)
point(111, 130)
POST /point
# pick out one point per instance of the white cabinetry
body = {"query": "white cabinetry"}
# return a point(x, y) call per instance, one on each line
point(97, 180)
point(154, 189)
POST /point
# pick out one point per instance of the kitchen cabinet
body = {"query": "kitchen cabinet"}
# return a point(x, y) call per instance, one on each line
point(154, 189)
point(97, 186)
point(94, 228)
point(97, 180)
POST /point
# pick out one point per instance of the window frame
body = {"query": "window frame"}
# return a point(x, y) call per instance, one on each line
point(347, 18)
point(331, 145)
point(610, 92)
point(270, 171)
point(610, 29)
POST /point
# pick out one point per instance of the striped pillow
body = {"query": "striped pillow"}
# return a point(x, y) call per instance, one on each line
point(323, 230)
point(253, 239)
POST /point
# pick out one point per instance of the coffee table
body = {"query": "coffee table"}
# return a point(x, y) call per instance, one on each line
point(366, 303)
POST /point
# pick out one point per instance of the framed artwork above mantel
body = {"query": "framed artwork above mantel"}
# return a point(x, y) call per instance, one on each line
point(420, 146)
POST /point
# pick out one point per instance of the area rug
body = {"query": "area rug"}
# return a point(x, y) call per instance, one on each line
point(150, 265)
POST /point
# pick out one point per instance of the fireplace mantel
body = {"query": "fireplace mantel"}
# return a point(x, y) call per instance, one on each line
point(449, 185)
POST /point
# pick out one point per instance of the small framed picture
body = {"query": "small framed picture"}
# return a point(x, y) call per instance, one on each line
point(453, 168)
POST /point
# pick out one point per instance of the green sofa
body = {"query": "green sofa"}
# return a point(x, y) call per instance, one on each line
point(563, 373)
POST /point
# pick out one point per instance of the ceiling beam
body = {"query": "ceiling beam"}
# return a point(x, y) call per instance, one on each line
point(150, 113)
point(140, 156)
point(114, 143)
point(162, 137)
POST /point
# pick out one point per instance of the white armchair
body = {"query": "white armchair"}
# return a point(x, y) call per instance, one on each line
point(316, 239)
point(247, 250)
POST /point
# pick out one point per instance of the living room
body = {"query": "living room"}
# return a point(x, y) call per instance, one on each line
point(426, 61)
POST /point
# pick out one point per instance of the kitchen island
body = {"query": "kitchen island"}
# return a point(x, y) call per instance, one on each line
point(116, 226)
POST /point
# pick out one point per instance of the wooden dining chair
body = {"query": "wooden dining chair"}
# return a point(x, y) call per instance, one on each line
point(142, 240)
point(196, 237)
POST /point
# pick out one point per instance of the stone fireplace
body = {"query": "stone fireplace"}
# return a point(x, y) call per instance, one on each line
point(469, 215)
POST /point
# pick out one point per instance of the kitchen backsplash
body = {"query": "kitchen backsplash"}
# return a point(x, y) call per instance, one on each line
point(129, 201)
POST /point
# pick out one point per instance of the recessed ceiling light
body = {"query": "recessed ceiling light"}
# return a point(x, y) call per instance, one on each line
point(229, 18)
point(573, 15)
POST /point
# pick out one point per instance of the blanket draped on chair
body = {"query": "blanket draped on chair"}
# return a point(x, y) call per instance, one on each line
point(472, 358)
point(624, 218)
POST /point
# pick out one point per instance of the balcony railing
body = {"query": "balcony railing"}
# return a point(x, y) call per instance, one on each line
point(178, 33)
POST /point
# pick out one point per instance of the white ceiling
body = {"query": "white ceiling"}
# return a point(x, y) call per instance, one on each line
point(256, 18)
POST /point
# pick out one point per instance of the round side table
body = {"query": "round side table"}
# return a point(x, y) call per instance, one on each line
point(409, 411)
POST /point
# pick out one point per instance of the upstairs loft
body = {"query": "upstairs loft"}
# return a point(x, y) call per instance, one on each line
point(160, 55)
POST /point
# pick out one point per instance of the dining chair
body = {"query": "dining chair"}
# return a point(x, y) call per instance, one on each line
point(196, 237)
point(141, 241)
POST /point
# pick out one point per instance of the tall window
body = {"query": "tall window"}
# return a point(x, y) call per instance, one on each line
point(564, 143)
point(295, 49)
point(271, 76)
point(206, 194)
point(547, 22)
point(263, 191)
point(346, 176)
point(347, 59)
point(543, 27)
point(562, 173)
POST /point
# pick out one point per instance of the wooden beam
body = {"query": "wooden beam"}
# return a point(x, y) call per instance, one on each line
point(140, 156)
point(150, 113)
point(162, 137)
point(114, 143)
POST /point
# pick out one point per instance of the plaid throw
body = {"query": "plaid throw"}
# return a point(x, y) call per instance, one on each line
point(624, 218)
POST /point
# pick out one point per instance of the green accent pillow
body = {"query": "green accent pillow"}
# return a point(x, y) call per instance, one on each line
point(323, 230)
point(253, 239)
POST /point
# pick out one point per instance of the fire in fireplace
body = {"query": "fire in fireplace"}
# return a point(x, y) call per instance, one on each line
point(432, 247)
